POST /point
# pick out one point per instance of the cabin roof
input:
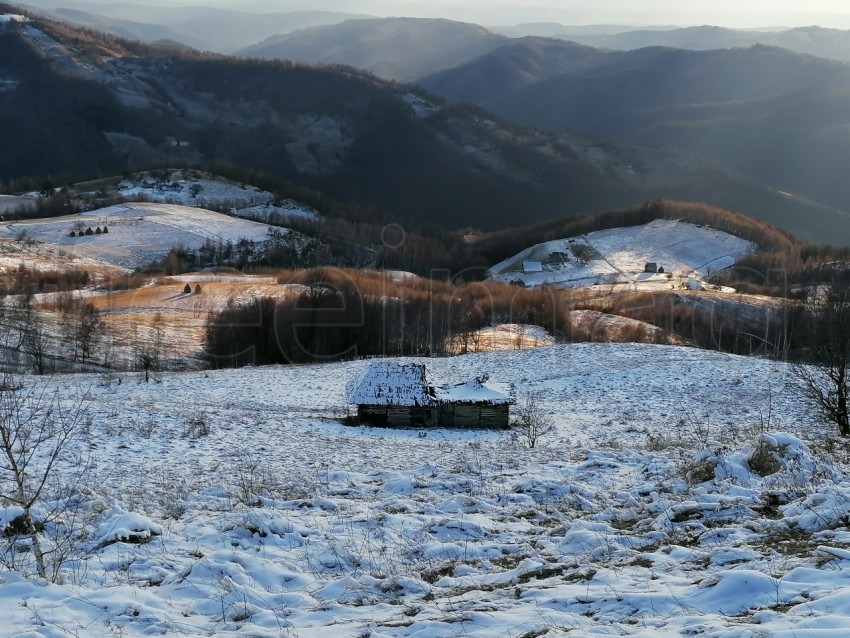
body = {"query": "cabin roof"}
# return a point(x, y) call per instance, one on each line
point(473, 391)
point(390, 383)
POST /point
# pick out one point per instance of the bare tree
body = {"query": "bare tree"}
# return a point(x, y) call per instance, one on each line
point(5, 321)
point(149, 351)
point(532, 421)
point(22, 317)
point(36, 434)
point(35, 345)
point(824, 366)
point(82, 327)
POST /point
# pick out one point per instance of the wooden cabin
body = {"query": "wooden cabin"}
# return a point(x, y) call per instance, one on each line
point(472, 405)
point(389, 393)
point(398, 394)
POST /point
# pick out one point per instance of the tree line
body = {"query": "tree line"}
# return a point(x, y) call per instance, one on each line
point(336, 314)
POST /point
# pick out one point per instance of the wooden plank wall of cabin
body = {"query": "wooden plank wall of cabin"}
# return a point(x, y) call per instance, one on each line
point(476, 416)
point(398, 415)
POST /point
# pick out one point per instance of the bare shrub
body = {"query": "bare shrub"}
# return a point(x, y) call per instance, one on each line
point(197, 425)
point(824, 372)
point(701, 471)
point(531, 420)
point(765, 459)
point(37, 434)
point(252, 478)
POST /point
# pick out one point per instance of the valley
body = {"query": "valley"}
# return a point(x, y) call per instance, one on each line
point(330, 322)
point(107, 106)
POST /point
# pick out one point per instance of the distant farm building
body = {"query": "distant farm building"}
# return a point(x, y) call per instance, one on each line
point(651, 266)
point(557, 259)
point(532, 266)
point(396, 394)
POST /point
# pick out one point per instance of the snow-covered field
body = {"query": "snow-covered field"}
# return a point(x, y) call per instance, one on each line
point(246, 509)
point(203, 191)
point(511, 336)
point(183, 315)
point(617, 257)
point(139, 233)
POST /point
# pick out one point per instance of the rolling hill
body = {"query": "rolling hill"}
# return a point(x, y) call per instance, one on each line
point(391, 48)
point(138, 234)
point(685, 254)
point(512, 67)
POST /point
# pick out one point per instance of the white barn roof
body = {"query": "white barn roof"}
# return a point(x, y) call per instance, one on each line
point(390, 383)
point(473, 391)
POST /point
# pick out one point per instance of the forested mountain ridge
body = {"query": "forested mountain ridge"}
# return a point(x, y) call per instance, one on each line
point(392, 48)
point(776, 116)
point(104, 105)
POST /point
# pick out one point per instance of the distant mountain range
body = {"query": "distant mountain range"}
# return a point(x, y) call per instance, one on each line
point(779, 117)
point(814, 40)
point(202, 28)
point(405, 48)
point(85, 104)
point(371, 43)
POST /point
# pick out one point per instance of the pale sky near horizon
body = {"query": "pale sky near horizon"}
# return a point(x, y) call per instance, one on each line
point(735, 13)
point(731, 13)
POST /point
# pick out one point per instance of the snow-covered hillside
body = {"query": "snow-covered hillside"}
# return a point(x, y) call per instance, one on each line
point(617, 257)
point(200, 191)
point(138, 233)
point(11, 17)
point(231, 503)
point(10, 202)
point(288, 209)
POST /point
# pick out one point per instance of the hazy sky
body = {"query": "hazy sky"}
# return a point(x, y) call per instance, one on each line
point(733, 13)
point(737, 13)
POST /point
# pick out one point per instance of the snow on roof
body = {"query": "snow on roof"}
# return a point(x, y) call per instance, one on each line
point(390, 383)
point(472, 391)
point(532, 266)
